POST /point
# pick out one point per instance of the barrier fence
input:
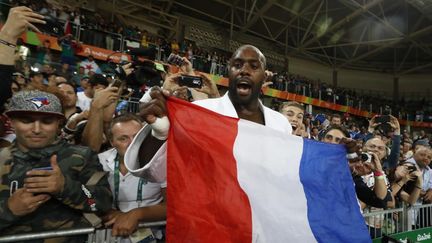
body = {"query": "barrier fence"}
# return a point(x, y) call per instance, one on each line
point(406, 224)
point(102, 235)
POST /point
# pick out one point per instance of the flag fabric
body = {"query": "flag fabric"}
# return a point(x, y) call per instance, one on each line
point(231, 180)
point(90, 66)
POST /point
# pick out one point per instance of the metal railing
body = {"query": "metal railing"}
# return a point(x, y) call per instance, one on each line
point(393, 221)
point(93, 235)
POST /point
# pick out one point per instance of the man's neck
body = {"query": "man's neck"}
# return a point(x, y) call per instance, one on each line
point(68, 111)
point(122, 166)
point(251, 112)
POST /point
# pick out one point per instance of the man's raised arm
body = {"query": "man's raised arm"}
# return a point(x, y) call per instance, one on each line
point(146, 156)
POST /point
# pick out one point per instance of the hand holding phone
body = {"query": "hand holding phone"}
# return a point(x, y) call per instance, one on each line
point(45, 179)
point(175, 60)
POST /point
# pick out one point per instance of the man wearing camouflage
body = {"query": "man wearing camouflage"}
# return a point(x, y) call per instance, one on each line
point(46, 183)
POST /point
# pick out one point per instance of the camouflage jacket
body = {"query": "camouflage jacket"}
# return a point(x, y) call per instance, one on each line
point(62, 211)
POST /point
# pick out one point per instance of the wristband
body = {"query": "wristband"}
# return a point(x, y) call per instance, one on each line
point(160, 128)
point(7, 43)
point(379, 177)
point(378, 173)
point(418, 187)
point(398, 184)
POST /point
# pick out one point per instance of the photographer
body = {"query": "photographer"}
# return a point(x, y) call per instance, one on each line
point(171, 83)
point(421, 159)
point(388, 128)
point(371, 183)
point(406, 183)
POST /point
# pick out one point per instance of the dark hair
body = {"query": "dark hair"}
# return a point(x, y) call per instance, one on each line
point(333, 127)
point(123, 118)
point(335, 115)
point(70, 84)
point(98, 79)
point(291, 103)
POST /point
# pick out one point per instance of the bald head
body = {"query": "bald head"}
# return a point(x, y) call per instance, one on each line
point(262, 58)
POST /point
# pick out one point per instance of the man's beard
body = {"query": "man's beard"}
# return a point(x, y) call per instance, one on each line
point(236, 99)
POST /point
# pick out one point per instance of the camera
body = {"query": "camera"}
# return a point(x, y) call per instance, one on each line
point(366, 157)
point(145, 71)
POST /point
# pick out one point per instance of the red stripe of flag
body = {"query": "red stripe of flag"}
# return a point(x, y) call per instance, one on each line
point(205, 201)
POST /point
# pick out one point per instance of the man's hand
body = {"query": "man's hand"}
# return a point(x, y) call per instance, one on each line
point(125, 224)
point(170, 82)
point(428, 196)
point(209, 87)
point(394, 123)
point(372, 124)
point(156, 107)
point(110, 217)
point(181, 93)
point(19, 19)
point(357, 166)
point(186, 67)
point(105, 97)
point(46, 181)
point(22, 202)
point(127, 69)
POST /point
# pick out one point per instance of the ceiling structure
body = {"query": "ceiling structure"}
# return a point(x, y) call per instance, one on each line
point(393, 36)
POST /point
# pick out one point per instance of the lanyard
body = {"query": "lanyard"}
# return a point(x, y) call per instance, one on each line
point(117, 183)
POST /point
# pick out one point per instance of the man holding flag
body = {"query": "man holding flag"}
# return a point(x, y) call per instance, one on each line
point(228, 180)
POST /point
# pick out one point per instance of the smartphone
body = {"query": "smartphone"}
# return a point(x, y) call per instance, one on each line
point(190, 81)
point(175, 59)
point(43, 168)
point(383, 119)
point(117, 83)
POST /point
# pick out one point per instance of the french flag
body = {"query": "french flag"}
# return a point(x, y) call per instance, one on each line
point(231, 180)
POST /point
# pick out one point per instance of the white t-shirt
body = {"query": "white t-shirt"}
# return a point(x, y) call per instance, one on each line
point(83, 101)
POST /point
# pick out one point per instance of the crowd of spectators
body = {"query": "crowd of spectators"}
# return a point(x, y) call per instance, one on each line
point(97, 118)
point(109, 35)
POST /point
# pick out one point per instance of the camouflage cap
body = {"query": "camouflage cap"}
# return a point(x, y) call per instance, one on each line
point(34, 101)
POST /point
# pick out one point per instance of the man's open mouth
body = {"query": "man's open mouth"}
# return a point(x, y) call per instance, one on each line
point(244, 88)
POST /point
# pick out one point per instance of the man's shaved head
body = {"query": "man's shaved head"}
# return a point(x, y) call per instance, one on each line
point(261, 55)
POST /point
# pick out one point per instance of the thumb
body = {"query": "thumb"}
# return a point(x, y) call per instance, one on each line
point(53, 161)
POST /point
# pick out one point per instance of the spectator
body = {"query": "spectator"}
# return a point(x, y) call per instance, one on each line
point(334, 134)
point(35, 197)
point(294, 112)
point(69, 47)
point(314, 133)
point(70, 99)
point(375, 181)
point(131, 206)
point(65, 72)
point(20, 79)
point(335, 119)
point(421, 159)
point(90, 66)
point(406, 183)
point(84, 98)
point(36, 80)
point(391, 134)
point(43, 55)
